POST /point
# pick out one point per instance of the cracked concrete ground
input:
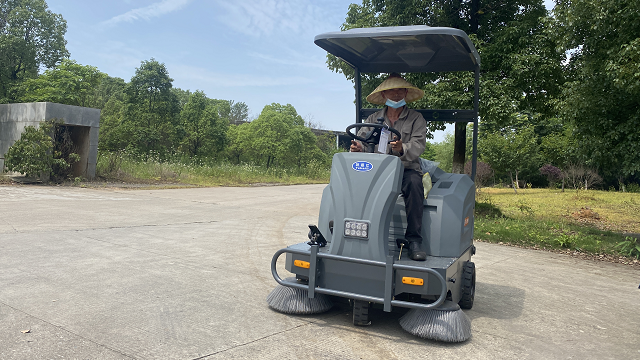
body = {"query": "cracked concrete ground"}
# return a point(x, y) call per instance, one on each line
point(183, 274)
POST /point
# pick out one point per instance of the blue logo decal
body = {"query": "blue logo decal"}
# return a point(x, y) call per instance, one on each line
point(362, 166)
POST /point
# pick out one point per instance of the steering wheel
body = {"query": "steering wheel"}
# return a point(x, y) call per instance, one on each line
point(373, 134)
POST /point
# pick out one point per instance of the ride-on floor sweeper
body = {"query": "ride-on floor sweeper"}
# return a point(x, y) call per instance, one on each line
point(355, 251)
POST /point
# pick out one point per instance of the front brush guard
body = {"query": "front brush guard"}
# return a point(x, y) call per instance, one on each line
point(387, 301)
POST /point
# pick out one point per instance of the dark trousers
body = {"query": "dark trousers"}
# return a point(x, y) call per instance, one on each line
point(413, 194)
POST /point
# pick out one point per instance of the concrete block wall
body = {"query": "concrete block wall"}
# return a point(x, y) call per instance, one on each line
point(15, 117)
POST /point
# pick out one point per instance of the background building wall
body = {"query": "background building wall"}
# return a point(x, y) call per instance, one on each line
point(15, 117)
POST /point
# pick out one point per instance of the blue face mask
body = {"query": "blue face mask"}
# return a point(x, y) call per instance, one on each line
point(395, 104)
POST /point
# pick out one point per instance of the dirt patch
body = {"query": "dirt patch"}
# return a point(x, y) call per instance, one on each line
point(586, 213)
point(587, 217)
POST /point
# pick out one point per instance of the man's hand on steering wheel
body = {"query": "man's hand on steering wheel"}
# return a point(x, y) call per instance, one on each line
point(396, 145)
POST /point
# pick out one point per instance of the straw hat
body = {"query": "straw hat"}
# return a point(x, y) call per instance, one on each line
point(395, 81)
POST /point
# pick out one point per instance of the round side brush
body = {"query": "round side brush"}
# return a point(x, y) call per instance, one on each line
point(446, 323)
point(290, 300)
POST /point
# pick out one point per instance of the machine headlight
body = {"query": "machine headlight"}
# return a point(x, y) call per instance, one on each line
point(358, 229)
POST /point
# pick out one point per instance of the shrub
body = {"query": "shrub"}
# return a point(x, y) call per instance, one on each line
point(484, 172)
point(36, 155)
point(633, 188)
point(630, 247)
point(31, 155)
point(552, 173)
point(579, 177)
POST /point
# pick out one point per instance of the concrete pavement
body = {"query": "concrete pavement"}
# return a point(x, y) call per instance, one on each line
point(183, 274)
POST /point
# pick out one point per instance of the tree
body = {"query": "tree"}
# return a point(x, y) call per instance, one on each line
point(511, 152)
point(204, 131)
point(114, 132)
point(443, 152)
point(151, 110)
point(68, 83)
point(552, 173)
point(520, 70)
point(224, 108)
point(559, 148)
point(484, 173)
point(279, 136)
point(271, 130)
point(31, 37)
point(239, 112)
point(429, 151)
point(182, 96)
point(108, 88)
point(300, 147)
point(110, 98)
point(239, 141)
point(602, 98)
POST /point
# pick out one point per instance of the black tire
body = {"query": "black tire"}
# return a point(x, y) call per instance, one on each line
point(468, 285)
point(361, 313)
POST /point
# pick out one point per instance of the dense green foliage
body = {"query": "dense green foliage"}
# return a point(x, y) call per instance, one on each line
point(36, 154)
point(31, 37)
point(31, 154)
point(602, 98)
point(68, 83)
point(557, 88)
point(567, 80)
point(520, 71)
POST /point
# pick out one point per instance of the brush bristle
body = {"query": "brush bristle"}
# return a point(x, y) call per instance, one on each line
point(447, 326)
point(290, 300)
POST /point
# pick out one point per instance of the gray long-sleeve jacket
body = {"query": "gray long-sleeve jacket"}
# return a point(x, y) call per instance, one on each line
point(413, 129)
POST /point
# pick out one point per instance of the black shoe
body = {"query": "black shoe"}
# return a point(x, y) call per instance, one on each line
point(415, 252)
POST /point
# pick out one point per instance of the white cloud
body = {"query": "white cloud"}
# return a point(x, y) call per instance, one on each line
point(148, 12)
point(266, 17)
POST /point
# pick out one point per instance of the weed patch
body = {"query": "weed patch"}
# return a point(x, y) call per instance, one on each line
point(630, 247)
point(121, 167)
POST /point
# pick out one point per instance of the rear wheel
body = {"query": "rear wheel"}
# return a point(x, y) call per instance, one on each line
point(468, 285)
point(361, 313)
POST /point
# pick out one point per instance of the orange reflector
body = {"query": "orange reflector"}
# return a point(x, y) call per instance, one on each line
point(412, 281)
point(302, 264)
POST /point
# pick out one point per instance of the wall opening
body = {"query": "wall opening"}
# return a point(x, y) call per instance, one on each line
point(74, 139)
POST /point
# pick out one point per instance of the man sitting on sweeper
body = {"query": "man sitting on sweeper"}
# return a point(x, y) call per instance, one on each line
point(395, 92)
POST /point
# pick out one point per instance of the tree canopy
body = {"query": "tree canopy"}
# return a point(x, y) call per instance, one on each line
point(204, 131)
point(520, 64)
point(68, 83)
point(31, 37)
point(602, 98)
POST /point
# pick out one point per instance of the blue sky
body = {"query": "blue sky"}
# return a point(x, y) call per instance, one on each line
point(254, 51)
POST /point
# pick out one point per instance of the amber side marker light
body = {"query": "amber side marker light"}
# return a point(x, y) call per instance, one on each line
point(412, 281)
point(302, 264)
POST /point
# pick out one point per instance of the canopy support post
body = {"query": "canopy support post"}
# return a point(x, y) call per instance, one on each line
point(358, 96)
point(476, 106)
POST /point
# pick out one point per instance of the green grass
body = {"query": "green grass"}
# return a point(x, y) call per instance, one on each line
point(586, 221)
point(119, 167)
